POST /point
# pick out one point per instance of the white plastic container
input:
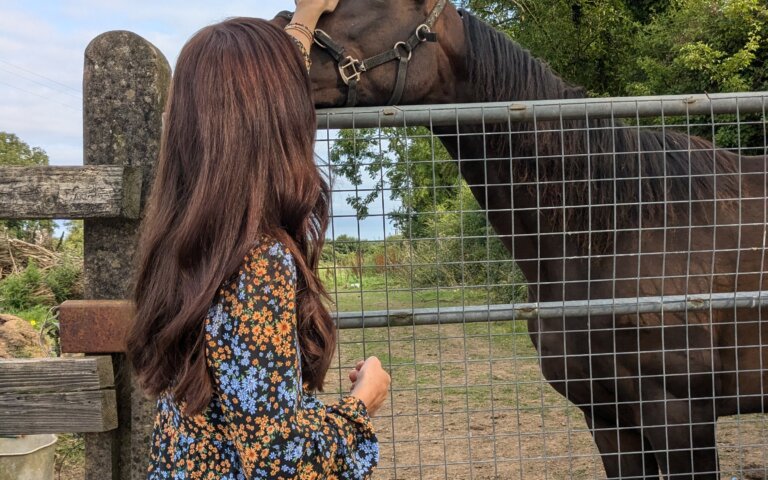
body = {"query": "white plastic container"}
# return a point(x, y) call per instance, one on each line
point(29, 457)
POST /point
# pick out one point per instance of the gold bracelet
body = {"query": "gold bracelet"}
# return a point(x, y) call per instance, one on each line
point(300, 26)
point(303, 29)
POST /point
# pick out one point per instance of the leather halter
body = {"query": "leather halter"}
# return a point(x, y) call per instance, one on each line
point(351, 69)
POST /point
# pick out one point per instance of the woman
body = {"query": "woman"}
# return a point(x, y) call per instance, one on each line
point(231, 331)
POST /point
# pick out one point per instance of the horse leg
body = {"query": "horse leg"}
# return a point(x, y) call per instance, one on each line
point(683, 438)
point(624, 452)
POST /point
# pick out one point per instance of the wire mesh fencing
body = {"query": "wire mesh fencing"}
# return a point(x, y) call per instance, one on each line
point(559, 289)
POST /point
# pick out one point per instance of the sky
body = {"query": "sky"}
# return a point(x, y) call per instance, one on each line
point(41, 64)
point(41, 56)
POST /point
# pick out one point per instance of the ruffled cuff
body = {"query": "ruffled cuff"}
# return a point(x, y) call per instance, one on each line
point(359, 449)
point(354, 410)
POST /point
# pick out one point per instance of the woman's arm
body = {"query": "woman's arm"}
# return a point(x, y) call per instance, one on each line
point(302, 26)
point(252, 352)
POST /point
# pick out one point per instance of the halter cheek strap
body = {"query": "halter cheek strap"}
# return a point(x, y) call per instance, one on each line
point(351, 69)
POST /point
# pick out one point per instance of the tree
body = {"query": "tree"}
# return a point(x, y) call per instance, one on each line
point(703, 46)
point(407, 164)
point(641, 47)
point(15, 152)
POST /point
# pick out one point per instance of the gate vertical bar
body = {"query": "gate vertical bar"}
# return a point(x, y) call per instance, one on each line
point(125, 85)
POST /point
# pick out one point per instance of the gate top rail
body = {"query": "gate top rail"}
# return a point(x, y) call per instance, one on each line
point(573, 109)
point(565, 309)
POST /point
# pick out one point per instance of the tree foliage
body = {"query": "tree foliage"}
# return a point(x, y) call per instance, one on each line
point(16, 153)
point(703, 46)
point(407, 164)
point(646, 47)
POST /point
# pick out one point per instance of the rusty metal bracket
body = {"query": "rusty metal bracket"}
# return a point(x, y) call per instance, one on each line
point(95, 326)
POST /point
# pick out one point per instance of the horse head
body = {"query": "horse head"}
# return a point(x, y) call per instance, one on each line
point(387, 51)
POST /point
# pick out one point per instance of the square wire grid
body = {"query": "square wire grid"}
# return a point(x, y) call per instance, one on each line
point(586, 222)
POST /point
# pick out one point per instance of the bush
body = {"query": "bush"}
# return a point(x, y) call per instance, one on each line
point(64, 279)
point(25, 290)
point(33, 287)
point(463, 251)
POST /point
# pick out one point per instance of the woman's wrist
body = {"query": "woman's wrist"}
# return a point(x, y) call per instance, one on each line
point(308, 13)
point(306, 18)
point(365, 399)
point(302, 27)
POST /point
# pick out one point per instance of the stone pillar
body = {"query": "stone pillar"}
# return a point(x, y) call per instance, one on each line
point(126, 82)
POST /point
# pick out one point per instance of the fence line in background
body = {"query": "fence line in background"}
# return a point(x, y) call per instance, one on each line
point(542, 110)
point(573, 308)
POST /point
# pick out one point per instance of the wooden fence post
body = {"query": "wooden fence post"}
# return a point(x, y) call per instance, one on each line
point(126, 82)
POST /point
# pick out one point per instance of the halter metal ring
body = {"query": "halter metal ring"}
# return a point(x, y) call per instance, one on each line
point(351, 69)
point(318, 42)
point(422, 29)
point(405, 46)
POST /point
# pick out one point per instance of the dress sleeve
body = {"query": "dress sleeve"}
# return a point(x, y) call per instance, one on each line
point(253, 354)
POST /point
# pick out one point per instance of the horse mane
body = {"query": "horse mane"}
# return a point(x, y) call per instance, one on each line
point(603, 170)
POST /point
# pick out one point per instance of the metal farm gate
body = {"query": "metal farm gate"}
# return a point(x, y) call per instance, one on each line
point(422, 276)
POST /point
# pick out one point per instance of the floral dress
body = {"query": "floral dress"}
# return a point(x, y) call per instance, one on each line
point(260, 424)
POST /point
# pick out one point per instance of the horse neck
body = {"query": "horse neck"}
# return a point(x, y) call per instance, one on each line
point(499, 70)
point(485, 159)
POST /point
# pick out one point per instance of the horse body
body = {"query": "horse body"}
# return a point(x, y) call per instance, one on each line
point(594, 210)
point(651, 386)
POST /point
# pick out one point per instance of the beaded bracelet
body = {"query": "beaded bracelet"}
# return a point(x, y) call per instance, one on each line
point(304, 53)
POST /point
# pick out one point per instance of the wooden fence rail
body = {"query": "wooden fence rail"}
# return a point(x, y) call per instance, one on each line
point(70, 192)
point(57, 395)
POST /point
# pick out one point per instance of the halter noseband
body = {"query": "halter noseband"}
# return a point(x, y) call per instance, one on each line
point(351, 69)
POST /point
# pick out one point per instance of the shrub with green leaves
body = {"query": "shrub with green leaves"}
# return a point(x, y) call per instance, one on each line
point(64, 279)
point(465, 252)
point(33, 287)
point(23, 290)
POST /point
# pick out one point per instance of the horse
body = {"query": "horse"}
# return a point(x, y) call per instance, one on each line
point(589, 209)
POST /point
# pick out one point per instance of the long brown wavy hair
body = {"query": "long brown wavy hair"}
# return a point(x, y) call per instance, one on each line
point(236, 162)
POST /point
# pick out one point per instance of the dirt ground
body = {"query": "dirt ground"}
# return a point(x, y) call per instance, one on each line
point(470, 403)
point(18, 339)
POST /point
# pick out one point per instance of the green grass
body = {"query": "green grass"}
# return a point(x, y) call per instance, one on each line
point(36, 315)
point(377, 291)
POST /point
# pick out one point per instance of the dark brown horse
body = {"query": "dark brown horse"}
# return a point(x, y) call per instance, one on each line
point(594, 210)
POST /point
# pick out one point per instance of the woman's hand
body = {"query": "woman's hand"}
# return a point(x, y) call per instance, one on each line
point(316, 6)
point(370, 383)
point(308, 12)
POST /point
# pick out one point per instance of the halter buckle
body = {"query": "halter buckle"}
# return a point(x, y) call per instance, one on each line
point(351, 69)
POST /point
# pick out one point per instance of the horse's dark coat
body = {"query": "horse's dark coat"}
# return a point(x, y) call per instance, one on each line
point(601, 210)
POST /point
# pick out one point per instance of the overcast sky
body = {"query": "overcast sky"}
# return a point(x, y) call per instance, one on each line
point(41, 56)
point(41, 64)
